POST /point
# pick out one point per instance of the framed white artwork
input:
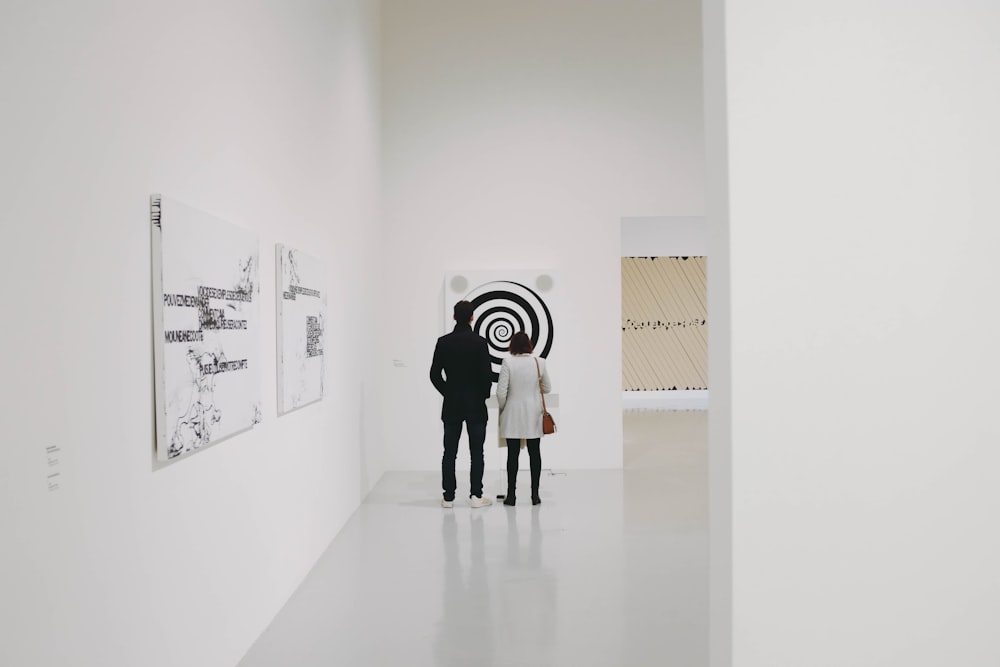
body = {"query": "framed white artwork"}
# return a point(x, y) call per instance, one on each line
point(504, 303)
point(301, 297)
point(206, 298)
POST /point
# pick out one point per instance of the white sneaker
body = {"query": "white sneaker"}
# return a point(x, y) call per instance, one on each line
point(479, 501)
point(447, 504)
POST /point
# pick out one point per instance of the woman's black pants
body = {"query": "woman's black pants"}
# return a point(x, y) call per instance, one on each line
point(534, 457)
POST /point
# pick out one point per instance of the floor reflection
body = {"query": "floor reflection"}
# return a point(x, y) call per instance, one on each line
point(464, 636)
point(528, 591)
point(611, 569)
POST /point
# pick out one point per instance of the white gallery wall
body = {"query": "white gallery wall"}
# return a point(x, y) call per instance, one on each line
point(517, 135)
point(265, 114)
point(861, 282)
point(664, 236)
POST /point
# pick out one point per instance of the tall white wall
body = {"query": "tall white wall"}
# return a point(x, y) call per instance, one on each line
point(517, 135)
point(662, 236)
point(863, 162)
point(263, 113)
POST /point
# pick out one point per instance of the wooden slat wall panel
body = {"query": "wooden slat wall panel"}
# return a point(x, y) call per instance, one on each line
point(664, 323)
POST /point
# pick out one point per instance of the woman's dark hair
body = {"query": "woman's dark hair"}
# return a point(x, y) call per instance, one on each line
point(520, 343)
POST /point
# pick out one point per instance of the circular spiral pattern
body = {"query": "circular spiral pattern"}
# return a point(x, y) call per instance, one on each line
point(502, 308)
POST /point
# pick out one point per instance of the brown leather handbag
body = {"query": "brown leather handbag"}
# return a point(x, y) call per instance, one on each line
point(548, 423)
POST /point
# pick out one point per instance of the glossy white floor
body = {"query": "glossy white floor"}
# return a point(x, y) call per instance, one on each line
point(611, 569)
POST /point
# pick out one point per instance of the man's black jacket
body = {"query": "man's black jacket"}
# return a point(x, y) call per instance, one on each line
point(468, 377)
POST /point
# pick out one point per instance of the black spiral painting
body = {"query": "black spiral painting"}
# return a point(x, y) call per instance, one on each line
point(501, 309)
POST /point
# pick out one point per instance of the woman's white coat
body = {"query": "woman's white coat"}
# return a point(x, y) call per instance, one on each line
point(519, 398)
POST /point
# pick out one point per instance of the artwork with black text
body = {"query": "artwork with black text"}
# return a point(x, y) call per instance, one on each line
point(301, 297)
point(206, 296)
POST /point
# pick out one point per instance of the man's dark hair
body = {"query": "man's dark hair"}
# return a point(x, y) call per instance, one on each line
point(520, 343)
point(463, 312)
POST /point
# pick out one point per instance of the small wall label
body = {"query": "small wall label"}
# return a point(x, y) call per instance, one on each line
point(54, 476)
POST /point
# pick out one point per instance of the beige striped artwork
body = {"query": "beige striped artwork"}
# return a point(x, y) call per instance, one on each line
point(664, 329)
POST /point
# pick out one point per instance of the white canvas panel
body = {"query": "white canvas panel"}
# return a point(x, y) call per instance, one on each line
point(504, 303)
point(301, 297)
point(206, 297)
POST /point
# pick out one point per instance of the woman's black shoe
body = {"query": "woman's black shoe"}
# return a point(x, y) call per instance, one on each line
point(509, 501)
point(535, 500)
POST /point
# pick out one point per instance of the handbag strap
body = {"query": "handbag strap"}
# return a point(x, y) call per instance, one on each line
point(540, 390)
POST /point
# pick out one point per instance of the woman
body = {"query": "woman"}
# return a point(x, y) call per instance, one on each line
point(520, 402)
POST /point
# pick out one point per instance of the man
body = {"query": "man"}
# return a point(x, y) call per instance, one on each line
point(465, 360)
